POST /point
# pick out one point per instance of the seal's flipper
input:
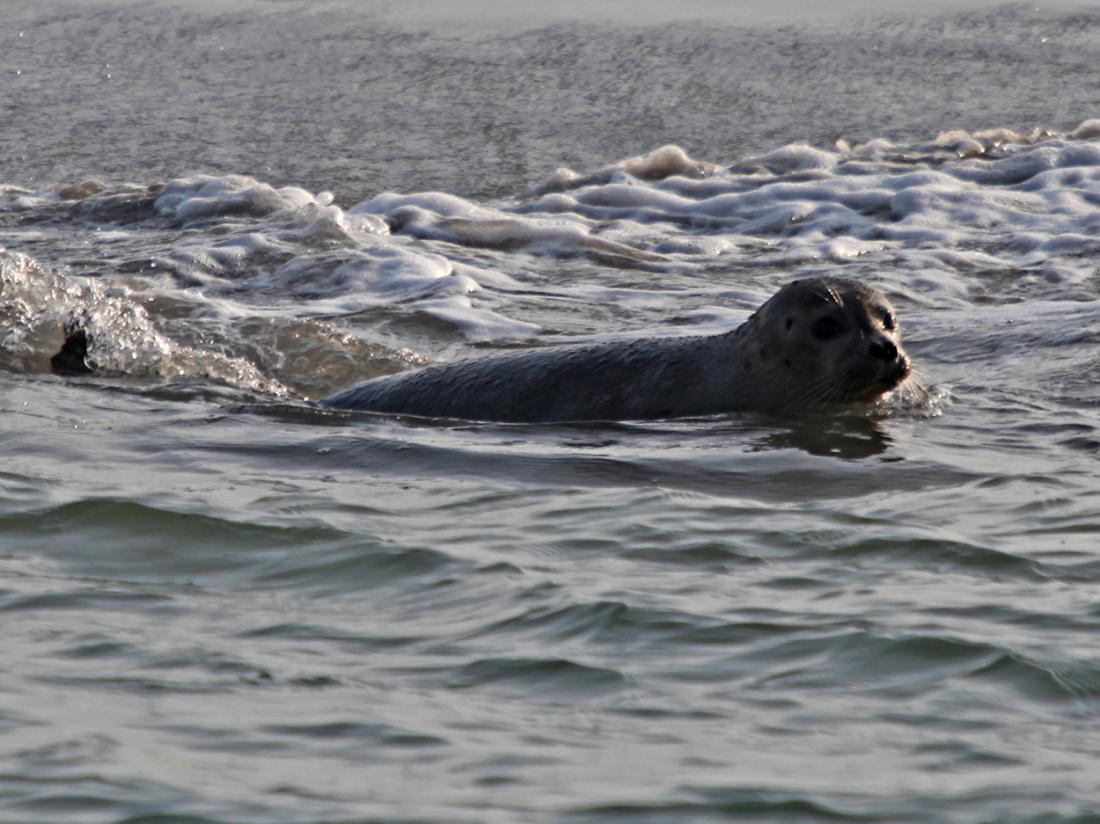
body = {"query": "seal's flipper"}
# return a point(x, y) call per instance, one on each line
point(72, 358)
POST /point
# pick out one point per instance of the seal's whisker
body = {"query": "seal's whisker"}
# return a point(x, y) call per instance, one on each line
point(819, 392)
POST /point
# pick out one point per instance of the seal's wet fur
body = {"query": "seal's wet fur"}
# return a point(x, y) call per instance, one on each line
point(815, 342)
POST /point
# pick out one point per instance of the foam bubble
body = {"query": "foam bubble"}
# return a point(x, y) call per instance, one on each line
point(384, 276)
point(289, 246)
point(659, 164)
point(796, 157)
point(665, 162)
point(438, 216)
point(1088, 130)
point(195, 198)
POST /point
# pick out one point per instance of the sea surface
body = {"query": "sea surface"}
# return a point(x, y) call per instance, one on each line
point(221, 602)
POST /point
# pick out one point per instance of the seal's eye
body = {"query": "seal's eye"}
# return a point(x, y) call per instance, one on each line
point(888, 322)
point(826, 328)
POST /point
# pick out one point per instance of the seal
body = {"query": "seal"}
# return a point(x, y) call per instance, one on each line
point(815, 343)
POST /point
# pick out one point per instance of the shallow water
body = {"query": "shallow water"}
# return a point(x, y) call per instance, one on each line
point(223, 603)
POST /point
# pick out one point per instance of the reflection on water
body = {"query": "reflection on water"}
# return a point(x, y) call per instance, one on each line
point(850, 437)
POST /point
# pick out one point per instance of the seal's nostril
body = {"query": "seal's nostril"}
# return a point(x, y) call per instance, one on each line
point(884, 350)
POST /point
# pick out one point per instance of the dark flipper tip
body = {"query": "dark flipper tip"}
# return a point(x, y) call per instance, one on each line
point(72, 359)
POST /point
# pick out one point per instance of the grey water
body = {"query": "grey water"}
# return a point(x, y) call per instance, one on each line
point(221, 603)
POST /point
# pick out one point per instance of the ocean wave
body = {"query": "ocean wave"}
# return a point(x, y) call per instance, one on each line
point(938, 225)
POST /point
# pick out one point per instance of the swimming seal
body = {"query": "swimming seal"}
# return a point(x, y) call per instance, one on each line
point(815, 342)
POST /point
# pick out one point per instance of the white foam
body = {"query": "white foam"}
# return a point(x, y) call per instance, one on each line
point(1032, 202)
point(477, 324)
point(440, 204)
point(380, 277)
point(291, 248)
point(194, 198)
point(793, 158)
point(1087, 130)
point(439, 216)
point(40, 305)
point(17, 199)
point(929, 216)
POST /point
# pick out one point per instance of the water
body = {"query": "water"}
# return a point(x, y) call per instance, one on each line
point(222, 603)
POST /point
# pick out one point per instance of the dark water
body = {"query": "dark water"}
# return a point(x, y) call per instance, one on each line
point(221, 603)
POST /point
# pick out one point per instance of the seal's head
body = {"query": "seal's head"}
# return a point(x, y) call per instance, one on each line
point(828, 340)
